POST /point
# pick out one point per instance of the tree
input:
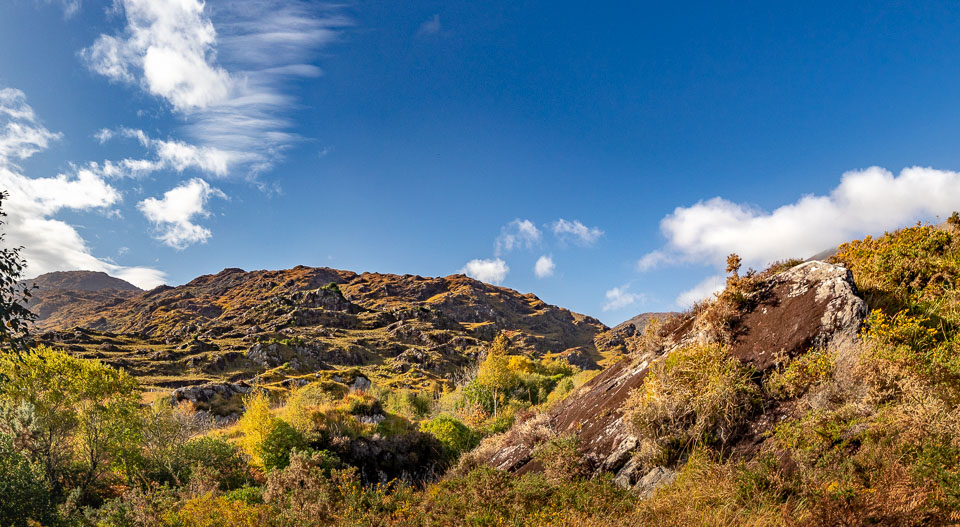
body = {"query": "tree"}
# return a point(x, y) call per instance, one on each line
point(75, 417)
point(15, 318)
point(255, 424)
point(494, 371)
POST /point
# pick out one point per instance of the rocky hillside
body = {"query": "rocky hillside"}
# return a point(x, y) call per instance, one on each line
point(279, 325)
point(62, 296)
point(627, 336)
point(80, 281)
point(814, 305)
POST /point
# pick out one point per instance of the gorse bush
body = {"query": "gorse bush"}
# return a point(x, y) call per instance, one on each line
point(695, 395)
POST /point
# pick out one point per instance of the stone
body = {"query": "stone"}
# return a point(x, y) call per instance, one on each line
point(656, 477)
point(360, 384)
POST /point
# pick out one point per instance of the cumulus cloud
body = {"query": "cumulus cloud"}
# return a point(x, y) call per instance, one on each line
point(227, 74)
point(490, 271)
point(620, 298)
point(544, 267)
point(51, 244)
point(703, 290)
point(168, 46)
point(516, 235)
point(173, 214)
point(576, 232)
point(866, 201)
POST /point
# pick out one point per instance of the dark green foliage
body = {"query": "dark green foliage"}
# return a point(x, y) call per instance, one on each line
point(220, 459)
point(278, 444)
point(24, 492)
point(14, 317)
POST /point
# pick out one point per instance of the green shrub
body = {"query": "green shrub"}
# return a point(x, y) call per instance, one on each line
point(221, 460)
point(800, 374)
point(24, 492)
point(455, 436)
point(561, 459)
point(277, 445)
point(695, 395)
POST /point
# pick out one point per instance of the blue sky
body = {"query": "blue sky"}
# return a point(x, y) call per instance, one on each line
point(604, 157)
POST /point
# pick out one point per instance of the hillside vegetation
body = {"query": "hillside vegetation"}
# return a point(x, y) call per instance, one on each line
point(271, 327)
point(829, 432)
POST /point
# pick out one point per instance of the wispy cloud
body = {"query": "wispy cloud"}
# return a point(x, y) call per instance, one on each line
point(225, 67)
point(706, 288)
point(173, 214)
point(431, 26)
point(620, 298)
point(70, 7)
point(491, 271)
point(51, 244)
point(518, 234)
point(866, 201)
point(576, 232)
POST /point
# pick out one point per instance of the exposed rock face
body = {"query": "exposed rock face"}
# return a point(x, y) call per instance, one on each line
point(206, 393)
point(813, 304)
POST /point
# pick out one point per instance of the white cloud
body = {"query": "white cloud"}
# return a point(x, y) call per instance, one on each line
point(169, 46)
point(21, 136)
point(703, 290)
point(653, 259)
point(429, 27)
point(866, 201)
point(619, 298)
point(576, 231)
point(544, 267)
point(51, 244)
point(490, 271)
point(517, 234)
point(173, 214)
point(224, 66)
point(167, 155)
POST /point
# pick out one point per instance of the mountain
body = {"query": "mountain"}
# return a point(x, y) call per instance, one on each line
point(80, 281)
point(627, 336)
point(401, 330)
point(69, 294)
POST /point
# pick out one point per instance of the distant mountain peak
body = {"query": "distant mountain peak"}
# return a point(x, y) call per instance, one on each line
point(81, 281)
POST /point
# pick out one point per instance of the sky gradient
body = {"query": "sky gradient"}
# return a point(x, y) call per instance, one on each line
point(605, 158)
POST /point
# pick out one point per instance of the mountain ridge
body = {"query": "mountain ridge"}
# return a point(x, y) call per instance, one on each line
point(238, 324)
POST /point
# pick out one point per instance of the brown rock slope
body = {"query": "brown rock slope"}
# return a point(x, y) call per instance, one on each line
point(404, 330)
point(814, 304)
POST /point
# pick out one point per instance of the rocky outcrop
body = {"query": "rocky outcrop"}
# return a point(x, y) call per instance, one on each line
point(220, 399)
point(812, 304)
